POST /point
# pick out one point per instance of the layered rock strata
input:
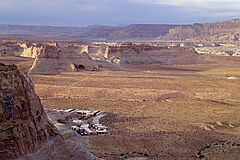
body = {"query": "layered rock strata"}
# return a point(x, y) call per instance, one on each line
point(24, 125)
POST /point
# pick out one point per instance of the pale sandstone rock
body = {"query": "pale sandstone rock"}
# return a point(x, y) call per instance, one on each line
point(54, 60)
point(31, 51)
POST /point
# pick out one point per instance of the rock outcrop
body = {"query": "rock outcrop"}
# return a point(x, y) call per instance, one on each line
point(218, 31)
point(49, 62)
point(53, 60)
point(144, 54)
point(24, 125)
point(30, 50)
point(26, 133)
point(33, 50)
point(10, 49)
point(57, 59)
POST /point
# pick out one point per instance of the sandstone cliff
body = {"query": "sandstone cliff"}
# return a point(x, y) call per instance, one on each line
point(54, 60)
point(209, 31)
point(24, 125)
point(30, 50)
point(33, 50)
point(145, 55)
point(49, 62)
point(217, 31)
point(25, 130)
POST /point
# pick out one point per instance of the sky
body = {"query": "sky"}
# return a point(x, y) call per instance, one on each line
point(116, 12)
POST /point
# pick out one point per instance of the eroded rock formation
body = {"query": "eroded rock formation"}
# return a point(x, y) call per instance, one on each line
point(71, 58)
point(144, 54)
point(49, 62)
point(10, 49)
point(53, 60)
point(218, 31)
point(30, 50)
point(33, 50)
point(24, 126)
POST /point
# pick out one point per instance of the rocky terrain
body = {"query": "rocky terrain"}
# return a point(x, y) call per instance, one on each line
point(220, 31)
point(53, 58)
point(144, 54)
point(164, 112)
point(24, 124)
point(57, 57)
point(26, 133)
point(134, 31)
point(10, 48)
point(220, 51)
point(164, 102)
point(140, 92)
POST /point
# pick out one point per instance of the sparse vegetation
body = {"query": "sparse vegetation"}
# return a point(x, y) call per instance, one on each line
point(166, 128)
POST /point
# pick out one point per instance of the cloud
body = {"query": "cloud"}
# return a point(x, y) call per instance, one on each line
point(53, 12)
point(233, 4)
point(220, 8)
point(85, 12)
point(38, 5)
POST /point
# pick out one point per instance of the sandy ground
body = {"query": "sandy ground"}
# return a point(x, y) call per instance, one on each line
point(24, 64)
point(166, 112)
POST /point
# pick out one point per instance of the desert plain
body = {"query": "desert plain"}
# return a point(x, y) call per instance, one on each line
point(158, 112)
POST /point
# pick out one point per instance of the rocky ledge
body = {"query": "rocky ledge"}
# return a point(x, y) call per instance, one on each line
point(24, 126)
point(26, 133)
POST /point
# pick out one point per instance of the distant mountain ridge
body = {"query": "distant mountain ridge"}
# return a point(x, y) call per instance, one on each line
point(209, 31)
point(89, 32)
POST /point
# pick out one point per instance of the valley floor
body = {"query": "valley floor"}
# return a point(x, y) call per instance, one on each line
point(177, 112)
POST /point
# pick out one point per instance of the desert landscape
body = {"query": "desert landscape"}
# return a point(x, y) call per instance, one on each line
point(158, 114)
point(119, 80)
point(162, 101)
point(154, 114)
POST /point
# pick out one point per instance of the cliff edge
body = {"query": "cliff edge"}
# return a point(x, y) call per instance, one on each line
point(24, 125)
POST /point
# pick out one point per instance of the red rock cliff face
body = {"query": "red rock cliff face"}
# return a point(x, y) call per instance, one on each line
point(24, 125)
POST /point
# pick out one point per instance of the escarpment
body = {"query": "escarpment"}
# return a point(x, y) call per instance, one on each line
point(24, 125)
point(219, 31)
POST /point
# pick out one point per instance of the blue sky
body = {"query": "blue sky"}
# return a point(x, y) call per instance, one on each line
point(115, 12)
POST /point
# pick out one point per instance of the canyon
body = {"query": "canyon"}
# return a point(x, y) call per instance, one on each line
point(164, 92)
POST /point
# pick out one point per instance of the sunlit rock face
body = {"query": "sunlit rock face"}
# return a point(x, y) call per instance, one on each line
point(219, 31)
point(33, 50)
point(54, 60)
point(30, 50)
point(24, 126)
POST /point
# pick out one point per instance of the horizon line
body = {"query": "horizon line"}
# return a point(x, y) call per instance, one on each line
point(115, 25)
